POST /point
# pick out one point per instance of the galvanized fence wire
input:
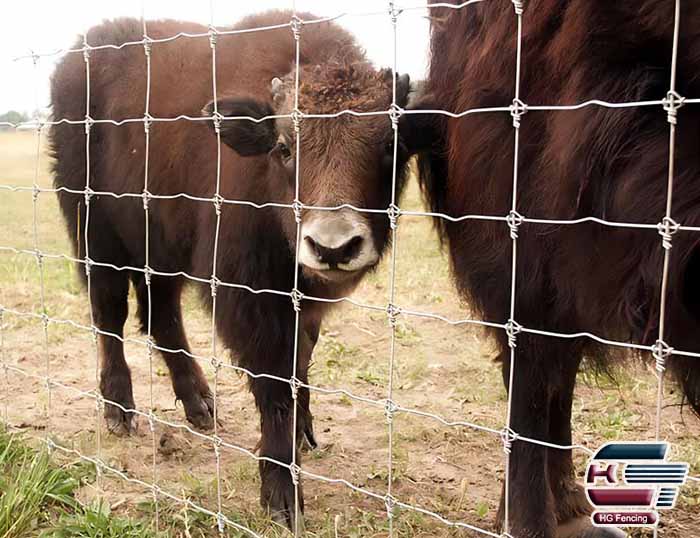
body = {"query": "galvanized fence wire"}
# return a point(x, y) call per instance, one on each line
point(661, 351)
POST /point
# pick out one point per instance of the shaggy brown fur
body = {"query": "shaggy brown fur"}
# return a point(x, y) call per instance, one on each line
point(599, 162)
point(342, 162)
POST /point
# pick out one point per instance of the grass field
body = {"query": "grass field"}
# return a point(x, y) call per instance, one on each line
point(441, 369)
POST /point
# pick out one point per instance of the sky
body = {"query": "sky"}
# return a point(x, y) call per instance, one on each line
point(49, 25)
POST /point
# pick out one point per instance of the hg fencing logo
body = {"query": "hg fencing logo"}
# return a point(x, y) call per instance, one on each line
point(649, 483)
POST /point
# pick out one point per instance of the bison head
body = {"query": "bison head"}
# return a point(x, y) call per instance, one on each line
point(344, 161)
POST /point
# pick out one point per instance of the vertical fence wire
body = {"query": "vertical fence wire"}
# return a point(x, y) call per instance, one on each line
point(5, 373)
point(99, 400)
point(393, 310)
point(38, 253)
point(215, 361)
point(147, 271)
point(662, 351)
point(294, 383)
point(514, 221)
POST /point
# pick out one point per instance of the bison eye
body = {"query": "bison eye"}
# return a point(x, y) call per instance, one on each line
point(283, 149)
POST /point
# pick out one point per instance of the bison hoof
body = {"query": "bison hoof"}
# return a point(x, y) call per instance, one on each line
point(277, 496)
point(118, 421)
point(199, 410)
point(307, 441)
point(582, 527)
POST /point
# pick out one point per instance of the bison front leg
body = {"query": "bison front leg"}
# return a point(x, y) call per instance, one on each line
point(531, 505)
point(109, 293)
point(168, 331)
point(572, 507)
point(545, 500)
point(277, 490)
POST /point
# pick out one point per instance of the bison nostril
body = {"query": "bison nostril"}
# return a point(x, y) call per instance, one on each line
point(351, 248)
point(336, 255)
point(315, 247)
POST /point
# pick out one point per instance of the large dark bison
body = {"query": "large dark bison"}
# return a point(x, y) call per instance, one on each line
point(347, 160)
point(607, 163)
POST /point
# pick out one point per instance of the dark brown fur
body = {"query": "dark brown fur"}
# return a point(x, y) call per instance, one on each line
point(343, 161)
point(598, 162)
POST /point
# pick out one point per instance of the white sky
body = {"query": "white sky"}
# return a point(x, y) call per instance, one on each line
point(48, 25)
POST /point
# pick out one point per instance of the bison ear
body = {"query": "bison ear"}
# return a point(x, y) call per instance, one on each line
point(247, 134)
point(420, 132)
point(403, 85)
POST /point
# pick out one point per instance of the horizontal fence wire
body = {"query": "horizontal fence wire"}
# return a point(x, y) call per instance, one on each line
point(295, 25)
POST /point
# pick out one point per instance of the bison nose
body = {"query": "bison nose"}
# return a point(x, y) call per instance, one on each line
point(335, 255)
point(335, 242)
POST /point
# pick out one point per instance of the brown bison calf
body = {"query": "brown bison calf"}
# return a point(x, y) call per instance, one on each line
point(343, 160)
point(601, 162)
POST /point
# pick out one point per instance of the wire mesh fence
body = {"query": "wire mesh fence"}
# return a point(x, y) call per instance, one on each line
point(661, 351)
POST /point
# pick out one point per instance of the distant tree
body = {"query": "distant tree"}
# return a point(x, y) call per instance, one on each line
point(12, 116)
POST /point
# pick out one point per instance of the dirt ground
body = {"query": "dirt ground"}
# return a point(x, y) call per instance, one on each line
point(440, 369)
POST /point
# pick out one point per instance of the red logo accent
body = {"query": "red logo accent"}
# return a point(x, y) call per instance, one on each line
point(609, 473)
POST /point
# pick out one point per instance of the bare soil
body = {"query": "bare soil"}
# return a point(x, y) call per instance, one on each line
point(441, 369)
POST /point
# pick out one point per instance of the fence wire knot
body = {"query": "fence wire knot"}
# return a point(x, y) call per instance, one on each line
point(518, 6)
point(672, 102)
point(215, 363)
point(35, 192)
point(147, 42)
point(218, 202)
point(88, 193)
point(297, 298)
point(513, 329)
point(151, 421)
point(147, 274)
point(394, 12)
point(39, 257)
point(395, 112)
point(88, 123)
point(393, 212)
point(220, 522)
point(87, 262)
point(393, 312)
point(390, 505)
point(661, 351)
point(86, 52)
point(295, 24)
point(214, 283)
point(150, 344)
point(667, 227)
point(50, 444)
point(147, 121)
point(145, 197)
point(45, 320)
point(295, 385)
point(213, 36)
point(216, 118)
point(99, 400)
point(297, 207)
point(508, 436)
point(295, 471)
point(518, 109)
point(514, 220)
point(390, 408)
point(296, 116)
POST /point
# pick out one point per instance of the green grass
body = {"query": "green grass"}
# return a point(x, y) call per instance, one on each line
point(38, 498)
